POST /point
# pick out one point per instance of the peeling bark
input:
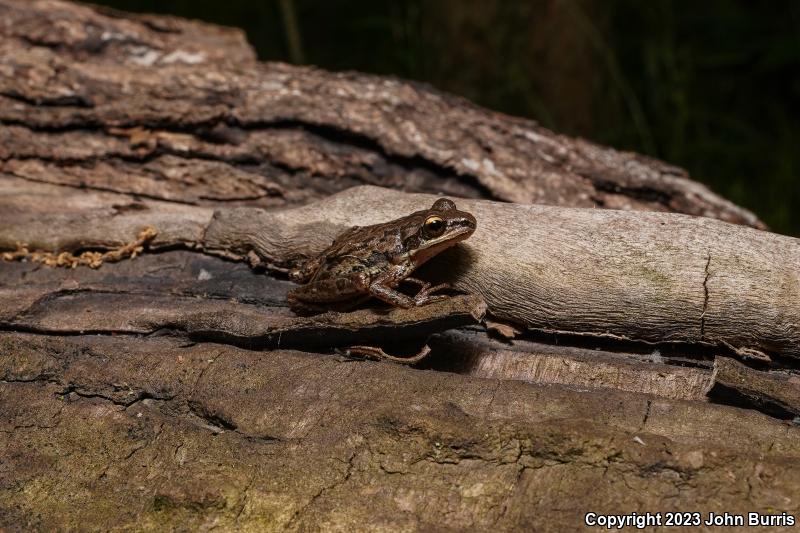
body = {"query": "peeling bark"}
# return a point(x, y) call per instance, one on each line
point(774, 393)
point(200, 109)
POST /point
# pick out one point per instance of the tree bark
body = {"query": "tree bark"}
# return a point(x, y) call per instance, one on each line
point(157, 182)
point(181, 111)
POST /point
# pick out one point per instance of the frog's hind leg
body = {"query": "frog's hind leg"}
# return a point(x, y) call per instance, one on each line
point(329, 294)
point(375, 352)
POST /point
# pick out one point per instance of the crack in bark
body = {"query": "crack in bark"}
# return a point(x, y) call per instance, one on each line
point(28, 426)
point(244, 499)
point(349, 467)
point(642, 193)
point(646, 415)
point(37, 379)
point(125, 404)
point(218, 423)
point(76, 100)
point(202, 373)
point(111, 156)
point(506, 504)
point(696, 353)
point(147, 443)
point(705, 299)
point(84, 186)
point(21, 328)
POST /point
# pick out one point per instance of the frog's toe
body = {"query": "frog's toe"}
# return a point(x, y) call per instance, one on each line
point(426, 299)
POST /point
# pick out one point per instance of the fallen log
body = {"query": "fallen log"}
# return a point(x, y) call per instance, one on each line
point(156, 182)
point(653, 277)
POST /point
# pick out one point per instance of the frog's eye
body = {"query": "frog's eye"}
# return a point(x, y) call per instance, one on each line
point(434, 226)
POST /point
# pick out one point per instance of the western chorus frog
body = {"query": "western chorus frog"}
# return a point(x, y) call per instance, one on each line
point(371, 261)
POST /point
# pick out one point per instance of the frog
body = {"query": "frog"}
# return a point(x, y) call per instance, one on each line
point(366, 262)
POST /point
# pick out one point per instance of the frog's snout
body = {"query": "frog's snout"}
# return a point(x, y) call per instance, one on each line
point(465, 223)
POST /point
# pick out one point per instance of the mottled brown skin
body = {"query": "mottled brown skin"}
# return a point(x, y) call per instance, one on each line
point(371, 261)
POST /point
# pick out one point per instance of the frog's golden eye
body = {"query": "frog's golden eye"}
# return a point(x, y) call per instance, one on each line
point(434, 226)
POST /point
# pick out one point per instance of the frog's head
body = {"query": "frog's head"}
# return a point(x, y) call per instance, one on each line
point(439, 227)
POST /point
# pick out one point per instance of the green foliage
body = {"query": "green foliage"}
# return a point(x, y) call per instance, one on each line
point(711, 86)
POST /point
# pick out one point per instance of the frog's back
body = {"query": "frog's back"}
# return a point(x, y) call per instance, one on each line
point(359, 249)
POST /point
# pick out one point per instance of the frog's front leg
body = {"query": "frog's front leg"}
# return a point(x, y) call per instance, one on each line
point(391, 296)
point(383, 288)
point(425, 290)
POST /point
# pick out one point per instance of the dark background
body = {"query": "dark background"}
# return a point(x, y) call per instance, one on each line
point(713, 86)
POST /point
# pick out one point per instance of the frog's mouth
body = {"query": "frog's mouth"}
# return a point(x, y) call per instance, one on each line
point(434, 246)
